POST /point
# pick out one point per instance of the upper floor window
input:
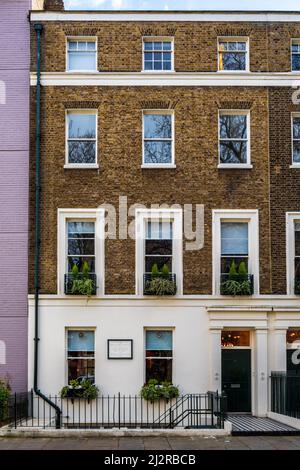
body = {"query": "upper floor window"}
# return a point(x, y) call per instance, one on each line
point(296, 139)
point(158, 54)
point(81, 355)
point(295, 55)
point(158, 138)
point(234, 133)
point(81, 134)
point(297, 257)
point(233, 54)
point(81, 54)
point(234, 245)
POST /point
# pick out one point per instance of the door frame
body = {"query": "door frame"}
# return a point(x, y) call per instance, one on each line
point(252, 359)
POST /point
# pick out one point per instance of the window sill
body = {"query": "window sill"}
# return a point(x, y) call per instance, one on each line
point(157, 166)
point(158, 71)
point(81, 166)
point(234, 71)
point(82, 71)
point(295, 165)
point(234, 166)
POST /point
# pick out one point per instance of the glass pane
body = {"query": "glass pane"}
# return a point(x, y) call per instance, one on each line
point(148, 46)
point(148, 56)
point(233, 151)
point(297, 242)
point(233, 126)
point(296, 127)
point(292, 336)
point(235, 338)
point(159, 340)
point(148, 65)
point(167, 56)
point(80, 340)
point(158, 65)
point(157, 126)
point(295, 47)
point(234, 238)
point(231, 46)
point(159, 247)
point(159, 353)
point(82, 126)
point(81, 369)
point(296, 62)
point(79, 261)
point(81, 45)
point(241, 46)
point(227, 261)
point(167, 66)
point(91, 46)
point(296, 152)
point(297, 267)
point(222, 46)
point(82, 61)
point(81, 247)
point(167, 46)
point(72, 45)
point(159, 230)
point(82, 152)
point(233, 61)
point(158, 46)
point(81, 229)
point(158, 56)
point(158, 152)
point(159, 369)
point(159, 260)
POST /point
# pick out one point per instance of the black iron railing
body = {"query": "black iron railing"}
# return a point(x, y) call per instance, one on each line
point(120, 411)
point(69, 283)
point(297, 285)
point(237, 284)
point(160, 284)
point(285, 393)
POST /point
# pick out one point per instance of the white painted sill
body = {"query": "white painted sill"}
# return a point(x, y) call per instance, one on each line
point(233, 71)
point(295, 165)
point(81, 166)
point(157, 166)
point(158, 71)
point(234, 166)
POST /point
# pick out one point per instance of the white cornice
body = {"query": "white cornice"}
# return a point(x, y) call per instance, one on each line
point(155, 16)
point(167, 79)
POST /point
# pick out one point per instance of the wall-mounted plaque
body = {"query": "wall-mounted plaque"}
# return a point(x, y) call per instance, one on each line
point(119, 348)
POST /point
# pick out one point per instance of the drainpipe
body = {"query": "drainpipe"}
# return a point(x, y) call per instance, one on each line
point(38, 29)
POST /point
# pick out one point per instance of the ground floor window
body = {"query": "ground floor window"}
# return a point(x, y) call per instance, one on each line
point(159, 355)
point(81, 355)
point(292, 351)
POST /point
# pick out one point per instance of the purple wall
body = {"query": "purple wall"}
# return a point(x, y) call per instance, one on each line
point(14, 162)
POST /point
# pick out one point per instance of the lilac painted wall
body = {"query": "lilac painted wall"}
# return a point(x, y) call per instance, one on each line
point(14, 160)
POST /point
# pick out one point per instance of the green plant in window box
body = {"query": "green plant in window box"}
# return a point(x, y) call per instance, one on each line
point(161, 282)
point(155, 390)
point(237, 282)
point(82, 284)
point(5, 393)
point(80, 389)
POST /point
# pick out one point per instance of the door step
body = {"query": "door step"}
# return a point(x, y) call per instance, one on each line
point(248, 425)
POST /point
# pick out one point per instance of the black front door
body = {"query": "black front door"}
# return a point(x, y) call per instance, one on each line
point(236, 379)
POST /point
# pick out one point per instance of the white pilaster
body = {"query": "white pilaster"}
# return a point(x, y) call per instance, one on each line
point(215, 359)
point(260, 401)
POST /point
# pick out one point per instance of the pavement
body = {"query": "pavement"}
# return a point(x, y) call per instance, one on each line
point(154, 443)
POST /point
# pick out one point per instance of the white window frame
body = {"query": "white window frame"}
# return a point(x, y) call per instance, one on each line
point(234, 39)
point(142, 216)
point(158, 39)
point(169, 112)
point(236, 112)
point(238, 215)
point(82, 39)
point(160, 328)
point(294, 164)
point(96, 215)
point(76, 328)
point(291, 218)
point(294, 41)
point(81, 166)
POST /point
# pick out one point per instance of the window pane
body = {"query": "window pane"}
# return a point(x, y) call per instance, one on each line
point(82, 152)
point(235, 338)
point(82, 126)
point(167, 46)
point(148, 56)
point(159, 340)
point(233, 152)
point(159, 230)
point(241, 46)
point(167, 66)
point(79, 261)
point(226, 262)
point(81, 247)
point(158, 247)
point(296, 152)
point(148, 65)
point(159, 369)
point(159, 353)
point(158, 152)
point(234, 238)
point(80, 340)
point(297, 240)
point(81, 229)
point(297, 267)
point(296, 127)
point(157, 126)
point(82, 61)
point(158, 46)
point(295, 47)
point(158, 65)
point(233, 61)
point(159, 260)
point(157, 56)
point(233, 126)
point(72, 45)
point(148, 46)
point(296, 62)
point(91, 46)
point(81, 369)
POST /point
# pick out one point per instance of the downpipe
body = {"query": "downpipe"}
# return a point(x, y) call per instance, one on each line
point(38, 29)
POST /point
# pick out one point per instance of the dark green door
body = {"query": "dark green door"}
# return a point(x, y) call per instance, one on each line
point(236, 379)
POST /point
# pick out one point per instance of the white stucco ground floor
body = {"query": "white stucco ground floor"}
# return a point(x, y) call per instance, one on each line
point(201, 332)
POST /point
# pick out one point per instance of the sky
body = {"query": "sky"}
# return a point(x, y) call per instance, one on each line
point(182, 5)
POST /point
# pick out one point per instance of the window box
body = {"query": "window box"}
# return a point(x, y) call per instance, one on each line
point(237, 284)
point(160, 284)
point(71, 289)
point(297, 285)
